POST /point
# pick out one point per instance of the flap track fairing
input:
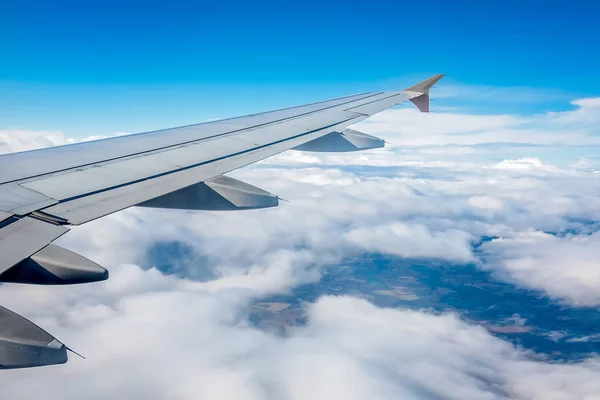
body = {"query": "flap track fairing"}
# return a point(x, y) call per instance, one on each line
point(54, 265)
point(348, 140)
point(218, 194)
point(24, 344)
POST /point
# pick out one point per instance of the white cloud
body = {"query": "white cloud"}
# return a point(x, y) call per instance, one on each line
point(413, 241)
point(586, 113)
point(12, 140)
point(176, 341)
point(523, 163)
point(494, 95)
point(564, 267)
point(486, 202)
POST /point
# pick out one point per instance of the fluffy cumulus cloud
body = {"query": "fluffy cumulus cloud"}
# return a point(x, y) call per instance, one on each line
point(567, 267)
point(13, 140)
point(19, 140)
point(157, 337)
point(514, 194)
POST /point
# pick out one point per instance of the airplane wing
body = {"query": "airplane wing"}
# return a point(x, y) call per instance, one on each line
point(43, 192)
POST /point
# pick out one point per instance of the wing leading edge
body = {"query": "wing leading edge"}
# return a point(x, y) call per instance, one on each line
point(43, 192)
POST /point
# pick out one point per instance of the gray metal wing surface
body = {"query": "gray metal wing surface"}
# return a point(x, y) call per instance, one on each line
point(43, 192)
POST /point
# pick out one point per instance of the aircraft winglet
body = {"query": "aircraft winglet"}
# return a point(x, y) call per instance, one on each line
point(420, 92)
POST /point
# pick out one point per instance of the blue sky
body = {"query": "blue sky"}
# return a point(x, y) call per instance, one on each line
point(131, 66)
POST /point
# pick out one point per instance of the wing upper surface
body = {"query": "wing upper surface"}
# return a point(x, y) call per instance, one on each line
point(44, 191)
point(92, 179)
point(74, 184)
point(23, 165)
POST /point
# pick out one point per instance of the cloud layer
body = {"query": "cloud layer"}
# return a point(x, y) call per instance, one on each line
point(167, 338)
point(526, 209)
point(567, 267)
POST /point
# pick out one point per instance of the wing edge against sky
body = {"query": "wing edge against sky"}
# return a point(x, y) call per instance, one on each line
point(43, 192)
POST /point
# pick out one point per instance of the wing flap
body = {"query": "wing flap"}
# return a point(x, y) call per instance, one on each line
point(77, 183)
point(86, 208)
point(16, 199)
point(22, 237)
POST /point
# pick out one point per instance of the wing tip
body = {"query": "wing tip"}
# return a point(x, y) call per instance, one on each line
point(420, 92)
point(424, 86)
